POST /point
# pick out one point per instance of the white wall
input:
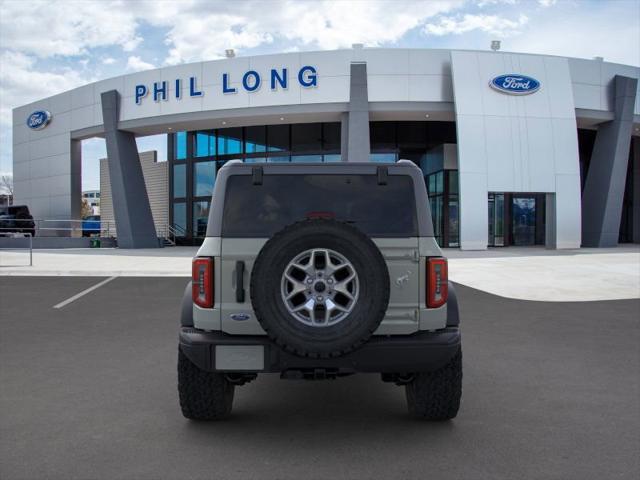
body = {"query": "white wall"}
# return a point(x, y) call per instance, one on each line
point(509, 143)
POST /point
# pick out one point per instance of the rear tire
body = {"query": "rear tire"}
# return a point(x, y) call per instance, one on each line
point(436, 395)
point(203, 395)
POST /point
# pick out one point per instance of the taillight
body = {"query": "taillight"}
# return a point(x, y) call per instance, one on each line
point(202, 282)
point(437, 282)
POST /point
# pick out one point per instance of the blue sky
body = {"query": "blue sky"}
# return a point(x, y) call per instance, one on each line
point(47, 47)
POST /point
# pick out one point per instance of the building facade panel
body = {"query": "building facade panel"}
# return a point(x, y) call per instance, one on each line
point(513, 151)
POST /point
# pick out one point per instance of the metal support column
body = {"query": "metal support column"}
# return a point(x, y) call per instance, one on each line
point(604, 187)
point(131, 209)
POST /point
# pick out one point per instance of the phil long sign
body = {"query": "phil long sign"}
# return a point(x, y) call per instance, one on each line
point(251, 81)
point(515, 84)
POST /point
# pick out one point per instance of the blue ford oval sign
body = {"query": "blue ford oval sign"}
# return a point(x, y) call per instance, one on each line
point(38, 120)
point(515, 84)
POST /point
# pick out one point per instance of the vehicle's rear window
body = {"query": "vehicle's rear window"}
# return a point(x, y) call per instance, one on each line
point(262, 210)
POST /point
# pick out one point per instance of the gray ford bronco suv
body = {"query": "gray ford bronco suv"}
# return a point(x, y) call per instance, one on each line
point(318, 271)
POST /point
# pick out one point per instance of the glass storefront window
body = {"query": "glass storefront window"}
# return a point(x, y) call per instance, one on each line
point(179, 180)
point(200, 218)
point(230, 141)
point(306, 137)
point(204, 176)
point(383, 135)
point(180, 144)
point(278, 138)
point(283, 159)
point(306, 158)
point(205, 144)
point(453, 182)
point(255, 139)
point(383, 157)
point(412, 135)
point(331, 136)
point(180, 216)
point(198, 155)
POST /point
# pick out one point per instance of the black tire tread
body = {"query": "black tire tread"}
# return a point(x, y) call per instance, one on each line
point(203, 395)
point(436, 395)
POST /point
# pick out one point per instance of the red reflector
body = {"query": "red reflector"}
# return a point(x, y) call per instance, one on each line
point(437, 282)
point(324, 215)
point(202, 282)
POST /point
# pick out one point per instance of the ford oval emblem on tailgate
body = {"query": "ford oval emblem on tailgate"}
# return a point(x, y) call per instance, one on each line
point(240, 317)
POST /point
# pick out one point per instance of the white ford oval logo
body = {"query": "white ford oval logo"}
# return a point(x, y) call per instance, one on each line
point(515, 84)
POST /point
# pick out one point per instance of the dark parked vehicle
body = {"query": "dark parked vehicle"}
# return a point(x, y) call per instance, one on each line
point(91, 225)
point(17, 219)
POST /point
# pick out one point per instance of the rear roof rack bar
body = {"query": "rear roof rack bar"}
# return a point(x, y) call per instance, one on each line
point(256, 173)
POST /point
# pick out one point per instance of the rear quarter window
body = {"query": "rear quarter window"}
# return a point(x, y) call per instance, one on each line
point(262, 210)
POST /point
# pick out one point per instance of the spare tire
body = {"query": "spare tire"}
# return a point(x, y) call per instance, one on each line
point(320, 288)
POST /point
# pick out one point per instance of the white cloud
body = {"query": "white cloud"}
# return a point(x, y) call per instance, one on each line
point(203, 30)
point(491, 24)
point(135, 64)
point(46, 29)
point(547, 3)
point(583, 34)
point(22, 83)
point(108, 61)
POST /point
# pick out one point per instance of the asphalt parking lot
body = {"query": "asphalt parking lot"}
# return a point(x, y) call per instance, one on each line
point(551, 390)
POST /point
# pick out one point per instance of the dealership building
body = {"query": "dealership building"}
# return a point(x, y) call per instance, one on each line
point(516, 149)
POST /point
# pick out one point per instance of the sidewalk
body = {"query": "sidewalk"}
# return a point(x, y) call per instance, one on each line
point(530, 273)
point(103, 262)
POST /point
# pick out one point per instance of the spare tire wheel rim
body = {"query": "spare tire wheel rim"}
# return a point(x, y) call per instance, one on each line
point(320, 287)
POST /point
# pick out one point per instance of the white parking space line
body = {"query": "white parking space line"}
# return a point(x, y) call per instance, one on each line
point(83, 293)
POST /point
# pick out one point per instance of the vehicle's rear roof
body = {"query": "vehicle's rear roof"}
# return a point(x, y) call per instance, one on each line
point(425, 226)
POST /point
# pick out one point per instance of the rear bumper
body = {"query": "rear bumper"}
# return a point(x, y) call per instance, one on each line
point(422, 351)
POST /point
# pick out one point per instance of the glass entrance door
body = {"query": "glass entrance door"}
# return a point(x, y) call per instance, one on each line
point(523, 214)
point(496, 219)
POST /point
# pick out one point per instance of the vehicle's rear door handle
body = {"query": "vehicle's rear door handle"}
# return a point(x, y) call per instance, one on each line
point(240, 281)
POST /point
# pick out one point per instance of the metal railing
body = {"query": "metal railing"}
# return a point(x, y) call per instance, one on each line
point(16, 236)
point(57, 228)
point(172, 232)
point(78, 228)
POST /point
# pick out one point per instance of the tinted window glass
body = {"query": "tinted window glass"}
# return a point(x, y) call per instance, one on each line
point(262, 210)
point(383, 135)
point(179, 180)
point(331, 139)
point(383, 157)
point(255, 139)
point(180, 216)
point(204, 176)
point(278, 138)
point(181, 145)
point(205, 144)
point(230, 141)
point(306, 158)
point(306, 137)
point(200, 218)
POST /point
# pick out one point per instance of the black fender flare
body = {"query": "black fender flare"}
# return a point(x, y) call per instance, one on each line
point(186, 309)
point(453, 313)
